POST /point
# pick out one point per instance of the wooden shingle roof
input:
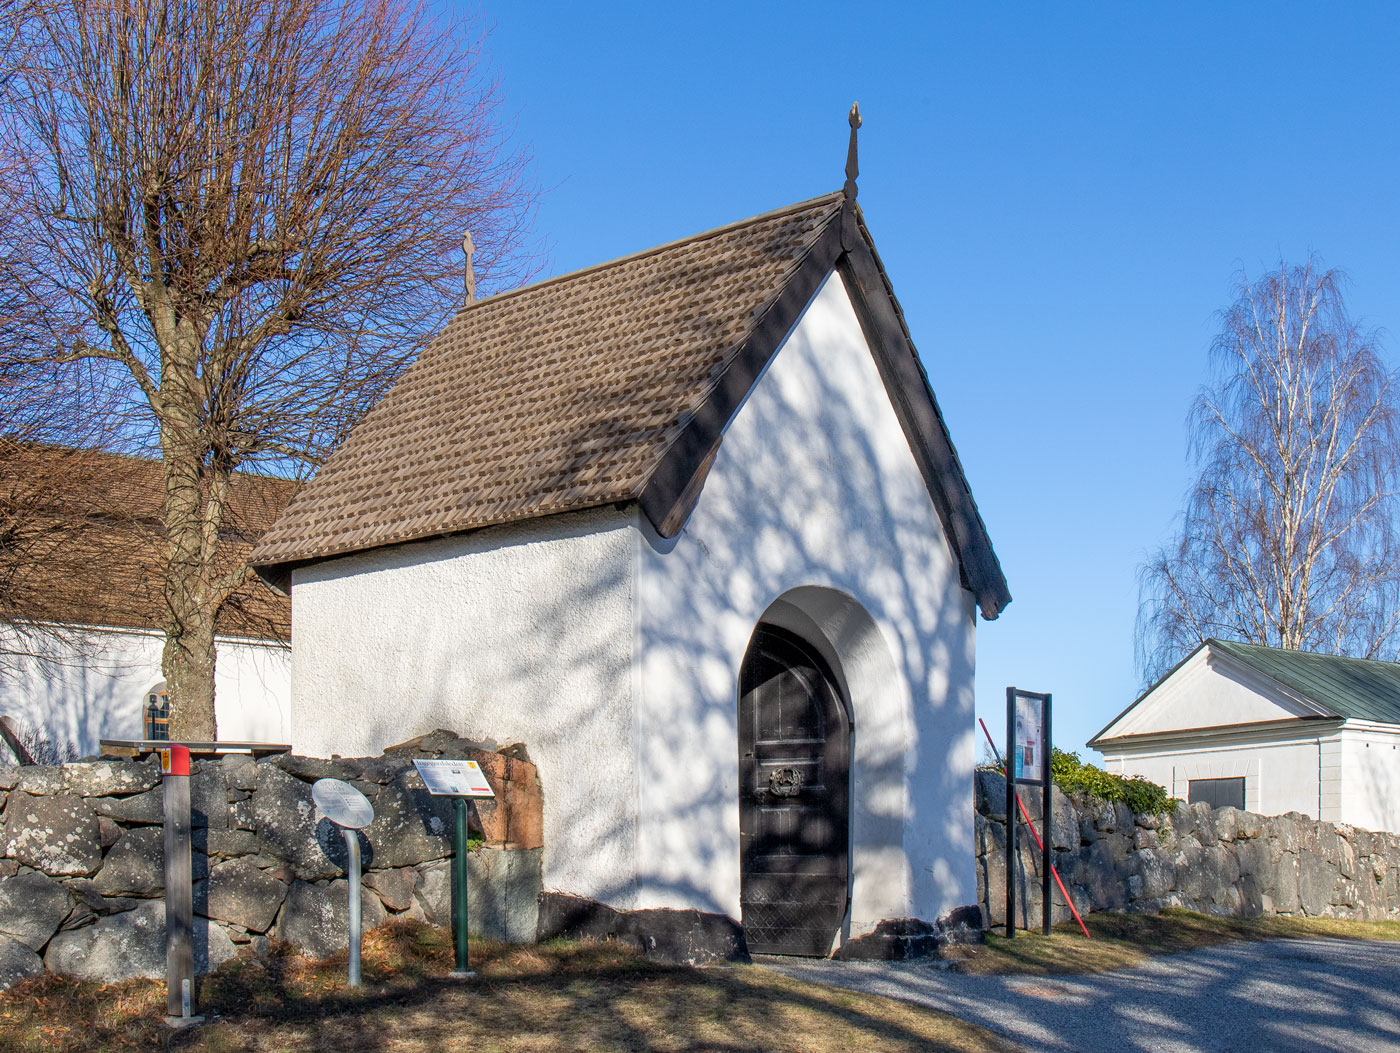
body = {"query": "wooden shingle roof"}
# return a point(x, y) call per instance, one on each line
point(613, 384)
point(83, 543)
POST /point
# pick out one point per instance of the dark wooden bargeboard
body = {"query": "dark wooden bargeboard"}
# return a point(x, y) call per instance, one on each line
point(794, 816)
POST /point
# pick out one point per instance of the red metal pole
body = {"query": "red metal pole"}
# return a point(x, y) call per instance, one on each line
point(1027, 816)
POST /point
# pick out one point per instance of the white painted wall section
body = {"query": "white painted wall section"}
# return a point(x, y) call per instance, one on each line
point(520, 633)
point(1207, 692)
point(814, 500)
point(1371, 775)
point(93, 682)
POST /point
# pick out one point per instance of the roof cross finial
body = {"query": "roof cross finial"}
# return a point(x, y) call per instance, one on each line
point(852, 168)
point(469, 275)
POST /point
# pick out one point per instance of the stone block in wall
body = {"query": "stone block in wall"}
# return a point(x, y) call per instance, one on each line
point(310, 769)
point(1149, 820)
point(1064, 819)
point(148, 807)
point(56, 834)
point(410, 825)
point(209, 797)
point(241, 815)
point(315, 918)
point(32, 907)
point(1317, 877)
point(1203, 824)
point(131, 944)
point(240, 771)
point(1095, 871)
point(135, 866)
point(1088, 832)
point(231, 844)
point(42, 780)
point(90, 904)
point(503, 888)
point(991, 883)
point(239, 893)
point(691, 937)
point(17, 962)
point(1226, 823)
point(989, 794)
point(394, 887)
point(1155, 874)
point(1255, 861)
point(982, 839)
point(287, 825)
point(111, 778)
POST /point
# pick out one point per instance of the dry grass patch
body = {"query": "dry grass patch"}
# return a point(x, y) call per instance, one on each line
point(1124, 940)
point(565, 996)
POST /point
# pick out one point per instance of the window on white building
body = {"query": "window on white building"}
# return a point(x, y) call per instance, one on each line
point(1218, 793)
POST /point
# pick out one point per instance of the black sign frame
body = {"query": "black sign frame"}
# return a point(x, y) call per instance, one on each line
point(1043, 781)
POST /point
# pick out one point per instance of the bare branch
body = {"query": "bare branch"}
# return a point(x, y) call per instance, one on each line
point(1288, 536)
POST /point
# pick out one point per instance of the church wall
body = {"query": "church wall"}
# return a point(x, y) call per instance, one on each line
point(814, 489)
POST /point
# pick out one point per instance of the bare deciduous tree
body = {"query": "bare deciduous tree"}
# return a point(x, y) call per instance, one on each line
point(247, 215)
point(1288, 537)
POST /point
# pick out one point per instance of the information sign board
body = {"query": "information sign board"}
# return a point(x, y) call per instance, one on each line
point(454, 778)
point(1029, 751)
point(342, 804)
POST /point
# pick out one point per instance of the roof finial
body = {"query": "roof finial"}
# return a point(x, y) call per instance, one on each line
point(852, 168)
point(469, 276)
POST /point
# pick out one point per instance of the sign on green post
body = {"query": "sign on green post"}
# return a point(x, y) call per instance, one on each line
point(460, 779)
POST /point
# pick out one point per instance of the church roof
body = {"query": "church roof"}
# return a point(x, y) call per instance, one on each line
point(614, 384)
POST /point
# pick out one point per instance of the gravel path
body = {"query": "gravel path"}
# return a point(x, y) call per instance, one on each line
point(1270, 996)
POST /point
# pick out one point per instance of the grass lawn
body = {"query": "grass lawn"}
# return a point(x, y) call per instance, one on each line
point(1124, 940)
point(551, 997)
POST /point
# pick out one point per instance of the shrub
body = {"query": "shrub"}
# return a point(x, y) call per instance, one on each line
point(1141, 795)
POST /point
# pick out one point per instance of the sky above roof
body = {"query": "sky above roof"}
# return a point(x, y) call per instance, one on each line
point(1061, 197)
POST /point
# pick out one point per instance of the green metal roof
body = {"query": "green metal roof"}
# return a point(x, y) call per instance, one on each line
point(1352, 688)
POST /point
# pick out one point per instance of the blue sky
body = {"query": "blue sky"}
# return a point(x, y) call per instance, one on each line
point(1061, 194)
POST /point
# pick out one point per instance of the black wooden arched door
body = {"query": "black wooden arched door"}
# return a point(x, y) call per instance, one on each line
point(794, 817)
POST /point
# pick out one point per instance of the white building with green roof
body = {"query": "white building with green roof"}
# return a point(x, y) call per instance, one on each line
point(1269, 730)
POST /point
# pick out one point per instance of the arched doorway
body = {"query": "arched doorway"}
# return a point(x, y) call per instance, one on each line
point(794, 796)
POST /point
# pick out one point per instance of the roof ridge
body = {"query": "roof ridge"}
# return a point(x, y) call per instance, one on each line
point(1309, 655)
point(834, 197)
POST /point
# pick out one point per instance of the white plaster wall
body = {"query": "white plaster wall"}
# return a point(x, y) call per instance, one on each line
point(92, 684)
point(1206, 692)
point(1280, 776)
point(1371, 777)
point(1348, 775)
point(813, 486)
point(519, 633)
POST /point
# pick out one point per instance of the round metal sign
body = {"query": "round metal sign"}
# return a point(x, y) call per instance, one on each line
point(342, 804)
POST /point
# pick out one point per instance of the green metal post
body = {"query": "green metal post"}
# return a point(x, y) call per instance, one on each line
point(459, 887)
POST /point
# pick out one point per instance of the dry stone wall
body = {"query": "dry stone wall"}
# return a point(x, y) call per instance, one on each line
point(1216, 861)
point(82, 857)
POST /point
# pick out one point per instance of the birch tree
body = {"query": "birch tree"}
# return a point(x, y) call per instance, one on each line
point(246, 215)
point(1288, 535)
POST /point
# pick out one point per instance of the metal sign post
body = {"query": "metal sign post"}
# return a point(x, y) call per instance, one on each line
point(1027, 761)
point(350, 810)
point(460, 779)
point(179, 889)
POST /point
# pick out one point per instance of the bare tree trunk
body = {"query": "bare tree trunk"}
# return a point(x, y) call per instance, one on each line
point(191, 604)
